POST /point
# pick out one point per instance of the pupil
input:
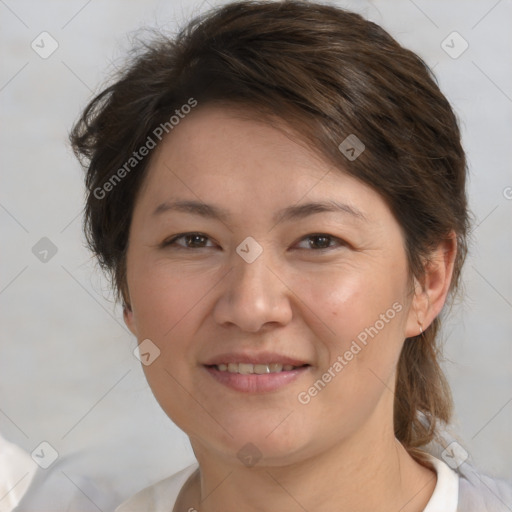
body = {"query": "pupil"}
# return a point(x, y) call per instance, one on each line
point(322, 238)
point(194, 239)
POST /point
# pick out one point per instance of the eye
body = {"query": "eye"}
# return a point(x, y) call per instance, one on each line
point(321, 241)
point(316, 241)
point(192, 241)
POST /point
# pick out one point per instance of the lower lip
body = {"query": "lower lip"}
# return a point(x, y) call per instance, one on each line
point(254, 383)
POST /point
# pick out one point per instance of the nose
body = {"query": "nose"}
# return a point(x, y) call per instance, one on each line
point(253, 295)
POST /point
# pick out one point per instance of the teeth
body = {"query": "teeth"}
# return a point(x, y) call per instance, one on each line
point(259, 369)
point(244, 368)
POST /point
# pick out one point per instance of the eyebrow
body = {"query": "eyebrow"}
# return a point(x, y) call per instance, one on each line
point(285, 215)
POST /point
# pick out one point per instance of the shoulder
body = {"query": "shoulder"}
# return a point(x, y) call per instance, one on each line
point(160, 496)
point(463, 488)
point(477, 491)
point(480, 492)
point(14, 462)
point(61, 487)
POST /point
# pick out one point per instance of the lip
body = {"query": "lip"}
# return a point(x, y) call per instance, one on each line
point(254, 358)
point(254, 383)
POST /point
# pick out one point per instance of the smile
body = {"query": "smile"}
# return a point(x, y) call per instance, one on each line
point(256, 378)
point(259, 369)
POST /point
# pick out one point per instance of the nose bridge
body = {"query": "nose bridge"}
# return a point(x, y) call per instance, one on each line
point(251, 277)
point(252, 294)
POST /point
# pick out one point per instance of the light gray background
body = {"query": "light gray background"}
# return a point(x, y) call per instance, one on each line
point(67, 372)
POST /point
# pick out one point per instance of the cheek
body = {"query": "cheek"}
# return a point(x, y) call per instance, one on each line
point(354, 299)
point(168, 304)
point(165, 295)
point(170, 384)
point(360, 358)
point(364, 311)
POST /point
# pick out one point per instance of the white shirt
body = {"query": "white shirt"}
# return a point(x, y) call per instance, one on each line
point(445, 497)
point(17, 470)
point(162, 496)
point(26, 487)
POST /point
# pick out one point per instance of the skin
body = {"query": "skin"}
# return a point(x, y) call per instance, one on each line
point(337, 452)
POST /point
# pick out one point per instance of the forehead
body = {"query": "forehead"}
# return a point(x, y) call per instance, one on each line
point(230, 138)
point(225, 155)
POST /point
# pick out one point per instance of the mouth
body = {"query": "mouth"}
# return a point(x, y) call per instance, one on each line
point(258, 369)
point(257, 373)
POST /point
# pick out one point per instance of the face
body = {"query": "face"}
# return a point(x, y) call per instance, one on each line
point(278, 324)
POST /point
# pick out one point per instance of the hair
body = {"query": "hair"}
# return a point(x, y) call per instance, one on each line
point(328, 73)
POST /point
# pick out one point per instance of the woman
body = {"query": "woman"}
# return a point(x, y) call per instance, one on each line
point(279, 197)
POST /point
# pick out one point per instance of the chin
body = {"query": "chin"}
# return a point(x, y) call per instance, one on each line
point(262, 443)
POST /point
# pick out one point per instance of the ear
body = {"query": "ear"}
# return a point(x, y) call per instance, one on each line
point(129, 319)
point(430, 295)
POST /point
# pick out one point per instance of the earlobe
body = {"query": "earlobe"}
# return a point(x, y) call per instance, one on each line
point(430, 295)
point(417, 312)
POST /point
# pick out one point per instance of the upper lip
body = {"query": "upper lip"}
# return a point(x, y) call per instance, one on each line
point(254, 358)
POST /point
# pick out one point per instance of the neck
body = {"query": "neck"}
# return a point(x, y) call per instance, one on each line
point(355, 475)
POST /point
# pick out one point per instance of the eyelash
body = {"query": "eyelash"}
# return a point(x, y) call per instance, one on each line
point(172, 240)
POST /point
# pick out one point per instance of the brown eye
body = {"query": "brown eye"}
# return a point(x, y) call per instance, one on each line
point(321, 241)
point(191, 241)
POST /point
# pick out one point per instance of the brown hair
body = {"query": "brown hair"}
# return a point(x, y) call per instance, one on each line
point(329, 73)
